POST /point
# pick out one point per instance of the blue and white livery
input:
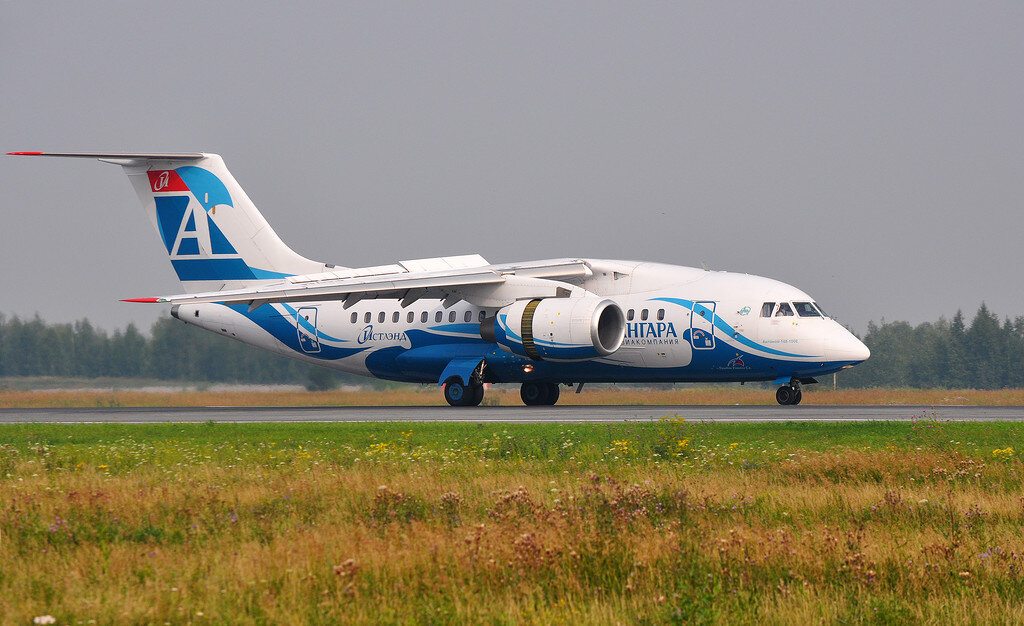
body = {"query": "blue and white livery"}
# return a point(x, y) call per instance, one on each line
point(461, 321)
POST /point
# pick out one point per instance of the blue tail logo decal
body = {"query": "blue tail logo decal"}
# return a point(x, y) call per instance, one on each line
point(186, 205)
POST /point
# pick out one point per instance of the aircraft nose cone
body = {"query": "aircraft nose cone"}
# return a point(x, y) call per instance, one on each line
point(842, 345)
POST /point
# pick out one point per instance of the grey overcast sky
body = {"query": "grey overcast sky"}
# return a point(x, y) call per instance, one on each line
point(870, 153)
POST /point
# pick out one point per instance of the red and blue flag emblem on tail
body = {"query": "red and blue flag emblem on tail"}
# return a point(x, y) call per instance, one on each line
point(161, 181)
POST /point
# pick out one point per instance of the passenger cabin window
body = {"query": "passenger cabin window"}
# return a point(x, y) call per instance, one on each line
point(629, 315)
point(366, 318)
point(820, 310)
point(355, 317)
point(394, 317)
point(784, 310)
point(410, 317)
point(469, 316)
point(643, 315)
point(806, 309)
point(767, 308)
point(438, 316)
point(451, 316)
point(482, 315)
point(380, 317)
point(661, 314)
point(423, 317)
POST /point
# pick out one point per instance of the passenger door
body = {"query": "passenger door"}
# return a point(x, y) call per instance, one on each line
point(702, 326)
point(305, 325)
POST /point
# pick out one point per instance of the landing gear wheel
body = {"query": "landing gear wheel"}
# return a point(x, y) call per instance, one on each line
point(477, 396)
point(457, 394)
point(552, 394)
point(787, 395)
point(533, 394)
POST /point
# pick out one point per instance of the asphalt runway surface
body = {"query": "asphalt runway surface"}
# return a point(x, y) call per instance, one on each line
point(555, 414)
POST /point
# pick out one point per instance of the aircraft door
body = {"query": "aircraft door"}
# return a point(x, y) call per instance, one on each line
point(305, 325)
point(702, 326)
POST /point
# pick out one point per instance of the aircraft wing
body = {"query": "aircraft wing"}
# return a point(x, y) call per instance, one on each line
point(483, 285)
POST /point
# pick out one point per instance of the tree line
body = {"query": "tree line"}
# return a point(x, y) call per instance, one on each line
point(173, 351)
point(987, 354)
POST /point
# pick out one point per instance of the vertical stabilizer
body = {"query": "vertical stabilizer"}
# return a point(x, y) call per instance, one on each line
point(215, 236)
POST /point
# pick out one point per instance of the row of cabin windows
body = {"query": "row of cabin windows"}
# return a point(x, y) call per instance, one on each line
point(630, 314)
point(410, 317)
point(784, 309)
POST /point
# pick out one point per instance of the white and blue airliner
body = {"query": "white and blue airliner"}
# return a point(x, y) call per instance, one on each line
point(462, 322)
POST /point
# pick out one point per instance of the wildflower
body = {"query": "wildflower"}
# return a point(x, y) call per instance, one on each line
point(1004, 453)
point(44, 619)
point(922, 501)
point(622, 446)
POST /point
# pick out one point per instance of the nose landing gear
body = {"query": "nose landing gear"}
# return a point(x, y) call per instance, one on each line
point(789, 394)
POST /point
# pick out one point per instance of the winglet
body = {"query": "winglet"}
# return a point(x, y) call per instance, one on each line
point(144, 300)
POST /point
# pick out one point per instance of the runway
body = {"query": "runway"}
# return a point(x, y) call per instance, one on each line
point(511, 414)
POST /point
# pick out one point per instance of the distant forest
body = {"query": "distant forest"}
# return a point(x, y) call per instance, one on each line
point(987, 354)
point(173, 351)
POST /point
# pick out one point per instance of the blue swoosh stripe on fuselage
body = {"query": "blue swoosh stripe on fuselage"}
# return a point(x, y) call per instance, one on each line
point(731, 333)
point(279, 326)
point(465, 329)
point(305, 324)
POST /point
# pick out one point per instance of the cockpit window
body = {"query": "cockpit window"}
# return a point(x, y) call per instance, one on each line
point(784, 310)
point(767, 308)
point(806, 309)
point(820, 310)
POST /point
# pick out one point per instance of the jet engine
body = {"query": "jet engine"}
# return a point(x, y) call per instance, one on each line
point(558, 329)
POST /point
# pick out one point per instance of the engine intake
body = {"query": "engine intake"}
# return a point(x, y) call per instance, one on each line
point(558, 329)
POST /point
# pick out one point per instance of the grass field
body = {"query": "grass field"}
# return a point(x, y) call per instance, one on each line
point(535, 523)
point(505, 395)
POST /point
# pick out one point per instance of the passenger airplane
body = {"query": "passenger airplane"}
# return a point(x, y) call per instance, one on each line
point(462, 322)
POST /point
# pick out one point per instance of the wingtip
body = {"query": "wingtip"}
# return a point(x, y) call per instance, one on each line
point(149, 300)
point(24, 153)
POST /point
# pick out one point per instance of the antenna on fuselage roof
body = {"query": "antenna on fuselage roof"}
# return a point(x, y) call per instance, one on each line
point(704, 264)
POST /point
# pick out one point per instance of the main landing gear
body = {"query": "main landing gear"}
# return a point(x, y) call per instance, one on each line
point(789, 394)
point(539, 394)
point(458, 394)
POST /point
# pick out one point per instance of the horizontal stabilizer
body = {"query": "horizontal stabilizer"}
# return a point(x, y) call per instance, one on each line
point(117, 156)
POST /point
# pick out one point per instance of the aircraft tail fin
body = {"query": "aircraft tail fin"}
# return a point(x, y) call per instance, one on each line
point(215, 236)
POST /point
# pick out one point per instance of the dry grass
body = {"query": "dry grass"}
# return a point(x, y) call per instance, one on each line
point(535, 524)
point(506, 395)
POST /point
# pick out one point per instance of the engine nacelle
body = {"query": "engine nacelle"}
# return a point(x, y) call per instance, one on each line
point(558, 329)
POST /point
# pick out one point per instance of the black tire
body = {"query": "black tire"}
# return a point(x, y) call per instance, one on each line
point(552, 394)
point(533, 394)
point(784, 395)
point(455, 393)
point(797, 397)
point(476, 397)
